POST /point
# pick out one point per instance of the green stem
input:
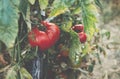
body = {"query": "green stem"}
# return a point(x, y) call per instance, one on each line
point(18, 57)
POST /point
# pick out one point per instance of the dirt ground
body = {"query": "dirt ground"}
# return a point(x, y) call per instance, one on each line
point(110, 68)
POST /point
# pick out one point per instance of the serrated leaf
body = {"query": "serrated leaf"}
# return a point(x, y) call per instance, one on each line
point(43, 4)
point(58, 10)
point(76, 10)
point(8, 22)
point(68, 2)
point(92, 9)
point(31, 1)
point(89, 12)
point(98, 3)
point(75, 49)
point(86, 48)
point(25, 74)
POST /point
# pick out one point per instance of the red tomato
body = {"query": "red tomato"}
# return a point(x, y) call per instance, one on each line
point(82, 37)
point(52, 31)
point(78, 28)
point(44, 39)
point(32, 36)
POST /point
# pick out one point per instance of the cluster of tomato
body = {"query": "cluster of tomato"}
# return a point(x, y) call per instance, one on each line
point(46, 39)
point(79, 28)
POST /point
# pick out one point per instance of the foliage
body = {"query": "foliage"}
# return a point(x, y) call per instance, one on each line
point(8, 21)
point(14, 28)
point(15, 72)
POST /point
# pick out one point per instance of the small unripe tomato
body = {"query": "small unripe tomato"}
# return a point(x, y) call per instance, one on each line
point(82, 37)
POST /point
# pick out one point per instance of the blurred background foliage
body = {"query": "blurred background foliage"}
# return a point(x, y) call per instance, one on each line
point(111, 9)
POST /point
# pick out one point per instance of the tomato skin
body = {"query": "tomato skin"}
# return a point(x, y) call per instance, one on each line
point(82, 37)
point(52, 31)
point(78, 28)
point(32, 36)
point(44, 39)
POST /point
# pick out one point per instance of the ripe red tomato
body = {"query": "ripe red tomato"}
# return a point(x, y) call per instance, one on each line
point(78, 28)
point(32, 36)
point(53, 32)
point(82, 37)
point(44, 39)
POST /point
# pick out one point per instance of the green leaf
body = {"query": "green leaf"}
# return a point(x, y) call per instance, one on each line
point(60, 7)
point(43, 4)
point(98, 3)
point(86, 48)
point(23, 6)
point(58, 10)
point(25, 74)
point(8, 21)
point(89, 13)
point(16, 72)
point(68, 3)
point(11, 73)
point(31, 1)
point(76, 10)
point(75, 49)
point(88, 1)
point(25, 9)
point(67, 26)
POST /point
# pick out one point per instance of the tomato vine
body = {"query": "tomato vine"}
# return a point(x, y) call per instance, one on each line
point(64, 29)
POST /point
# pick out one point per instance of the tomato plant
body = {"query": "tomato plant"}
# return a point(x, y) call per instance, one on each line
point(63, 30)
